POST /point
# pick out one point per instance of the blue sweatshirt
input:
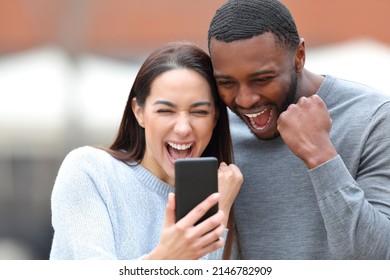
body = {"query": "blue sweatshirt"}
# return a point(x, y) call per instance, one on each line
point(338, 210)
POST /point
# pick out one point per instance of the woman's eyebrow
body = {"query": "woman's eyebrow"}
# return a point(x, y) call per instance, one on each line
point(164, 102)
point(201, 103)
point(170, 104)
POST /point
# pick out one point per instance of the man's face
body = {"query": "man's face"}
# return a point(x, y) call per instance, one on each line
point(256, 79)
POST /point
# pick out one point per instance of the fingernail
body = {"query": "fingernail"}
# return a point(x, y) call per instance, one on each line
point(216, 195)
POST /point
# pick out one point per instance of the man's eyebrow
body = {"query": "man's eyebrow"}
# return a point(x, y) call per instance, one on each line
point(262, 72)
point(221, 76)
point(255, 74)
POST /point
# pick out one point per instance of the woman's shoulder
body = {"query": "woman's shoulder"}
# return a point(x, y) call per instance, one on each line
point(90, 163)
point(87, 153)
point(88, 158)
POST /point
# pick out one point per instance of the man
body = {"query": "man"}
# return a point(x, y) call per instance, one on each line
point(316, 164)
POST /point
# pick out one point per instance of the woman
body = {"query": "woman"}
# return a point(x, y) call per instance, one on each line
point(118, 203)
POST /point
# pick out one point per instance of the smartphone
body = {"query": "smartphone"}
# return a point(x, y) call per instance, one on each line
point(195, 180)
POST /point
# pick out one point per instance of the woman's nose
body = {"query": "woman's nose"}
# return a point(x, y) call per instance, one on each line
point(182, 125)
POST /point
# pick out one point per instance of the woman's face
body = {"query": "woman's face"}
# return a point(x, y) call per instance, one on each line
point(178, 117)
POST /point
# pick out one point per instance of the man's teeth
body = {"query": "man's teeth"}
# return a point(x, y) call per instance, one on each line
point(180, 147)
point(252, 119)
point(255, 115)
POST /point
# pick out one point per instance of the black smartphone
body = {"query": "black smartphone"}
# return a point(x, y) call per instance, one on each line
point(195, 180)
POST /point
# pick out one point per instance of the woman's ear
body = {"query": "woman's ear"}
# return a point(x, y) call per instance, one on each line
point(138, 112)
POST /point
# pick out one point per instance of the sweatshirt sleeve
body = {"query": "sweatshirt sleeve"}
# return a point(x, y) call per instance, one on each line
point(82, 228)
point(356, 211)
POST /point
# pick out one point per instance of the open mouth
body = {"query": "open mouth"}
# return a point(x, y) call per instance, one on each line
point(177, 151)
point(260, 120)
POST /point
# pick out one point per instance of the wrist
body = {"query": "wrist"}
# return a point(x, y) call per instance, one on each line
point(226, 213)
point(320, 158)
point(154, 255)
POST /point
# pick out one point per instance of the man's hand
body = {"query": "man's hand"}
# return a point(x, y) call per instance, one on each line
point(305, 127)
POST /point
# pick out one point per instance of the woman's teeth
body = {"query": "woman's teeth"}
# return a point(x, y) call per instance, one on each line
point(180, 147)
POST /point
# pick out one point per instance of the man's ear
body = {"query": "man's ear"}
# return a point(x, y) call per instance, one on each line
point(138, 112)
point(300, 56)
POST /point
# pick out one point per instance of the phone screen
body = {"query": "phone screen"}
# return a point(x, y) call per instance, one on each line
point(195, 180)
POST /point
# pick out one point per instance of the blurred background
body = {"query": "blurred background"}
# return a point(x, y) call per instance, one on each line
point(66, 67)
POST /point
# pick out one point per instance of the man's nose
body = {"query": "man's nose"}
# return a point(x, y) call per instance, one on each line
point(247, 97)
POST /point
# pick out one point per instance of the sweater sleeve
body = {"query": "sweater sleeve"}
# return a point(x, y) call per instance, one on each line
point(356, 211)
point(82, 228)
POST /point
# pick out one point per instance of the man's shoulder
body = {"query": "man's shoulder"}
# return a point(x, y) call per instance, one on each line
point(356, 88)
point(346, 95)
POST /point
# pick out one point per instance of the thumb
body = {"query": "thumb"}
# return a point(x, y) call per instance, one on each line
point(170, 218)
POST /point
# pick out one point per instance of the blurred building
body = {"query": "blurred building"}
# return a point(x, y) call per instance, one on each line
point(128, 28)
point(66, 68)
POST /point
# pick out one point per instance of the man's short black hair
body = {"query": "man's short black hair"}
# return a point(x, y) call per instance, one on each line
point(244, 19)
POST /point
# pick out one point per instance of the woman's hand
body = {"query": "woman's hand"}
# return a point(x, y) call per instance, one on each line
point(230, 180)
point(183, 240)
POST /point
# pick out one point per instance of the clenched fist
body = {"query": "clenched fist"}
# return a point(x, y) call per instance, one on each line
point(305, 127)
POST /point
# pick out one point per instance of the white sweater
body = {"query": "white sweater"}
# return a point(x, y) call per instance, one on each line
point(103, 208)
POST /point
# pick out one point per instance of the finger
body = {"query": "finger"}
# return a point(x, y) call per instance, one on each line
point(237, 172)
point(209, 224)
point(212, 246)
point(222, 164)
point(222, 167)
point(170, 218)
point(198, 212)
point(316, 98)
point(225, 170)
point(211, 236)
point(231, 170)
point(231, 167)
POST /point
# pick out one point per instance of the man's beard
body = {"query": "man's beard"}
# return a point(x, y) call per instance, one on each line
point(290, 99)
point(292, 92)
